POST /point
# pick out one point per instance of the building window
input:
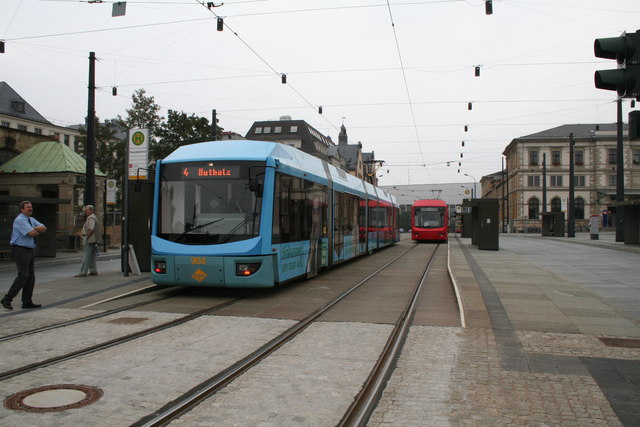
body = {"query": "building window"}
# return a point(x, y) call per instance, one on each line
point(277, 129)
point(267, 129)
point(22, 127)
point(258, 131)
point(613, 155)
point(533, 157)
point(534, 208)
point(579, 180)
point(636, 157)
point(294, 129)
point(533, 180)
point(578, 208)
point(18, 106)
point(5, 124)
point(555, 157)
point(37, 130)
point(612, 180)
point(579, 158)
point(556, 205)
point(556, 180)
point(67, 140)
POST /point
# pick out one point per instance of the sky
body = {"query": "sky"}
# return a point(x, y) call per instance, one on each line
point(399, 74)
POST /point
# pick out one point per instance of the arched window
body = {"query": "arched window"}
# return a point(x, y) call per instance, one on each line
point(534, 208)
point(578, 208)
point(556, 205)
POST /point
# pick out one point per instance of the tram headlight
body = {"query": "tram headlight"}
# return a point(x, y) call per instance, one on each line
point(160, 267)
point(247, 269)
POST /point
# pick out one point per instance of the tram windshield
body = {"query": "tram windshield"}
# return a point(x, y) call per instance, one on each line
point(210, 202)
point(428, 217)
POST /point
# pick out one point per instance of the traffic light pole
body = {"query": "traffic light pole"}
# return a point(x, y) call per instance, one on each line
point(619, 177)
point(90, 149)
point(571, 223)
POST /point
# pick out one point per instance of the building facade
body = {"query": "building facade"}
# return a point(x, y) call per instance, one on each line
point(22, 127)
point(295, 133)
point(595, 172)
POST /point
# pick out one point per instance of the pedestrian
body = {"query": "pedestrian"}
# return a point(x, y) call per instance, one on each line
point(23, 242)
point(90, 241)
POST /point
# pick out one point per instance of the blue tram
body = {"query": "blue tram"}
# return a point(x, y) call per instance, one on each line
point(258, 214)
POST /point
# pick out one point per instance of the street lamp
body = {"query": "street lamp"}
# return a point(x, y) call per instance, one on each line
point(475, 194)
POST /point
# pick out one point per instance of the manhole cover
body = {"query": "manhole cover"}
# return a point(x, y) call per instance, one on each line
point(53, 398)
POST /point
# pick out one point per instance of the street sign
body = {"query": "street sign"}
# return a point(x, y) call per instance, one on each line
point(112, 191)
point(138, 153)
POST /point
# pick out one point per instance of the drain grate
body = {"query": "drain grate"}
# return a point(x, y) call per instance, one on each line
point(53, 398)
point(128, 320)
point(620, 342)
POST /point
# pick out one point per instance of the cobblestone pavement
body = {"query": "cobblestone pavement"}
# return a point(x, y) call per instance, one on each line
point(531, 354)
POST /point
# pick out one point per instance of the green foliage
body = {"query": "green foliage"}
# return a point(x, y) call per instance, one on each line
point(180, 129)
point(143, 114)
point(165, 135)
point(109, 148)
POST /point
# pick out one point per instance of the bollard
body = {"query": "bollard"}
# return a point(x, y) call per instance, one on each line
point(594, 227)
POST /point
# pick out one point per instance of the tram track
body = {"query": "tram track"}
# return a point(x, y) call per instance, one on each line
point(85, 318)
point(364, 403)
point(116, 341)
point(300, 305)
point(81, 296)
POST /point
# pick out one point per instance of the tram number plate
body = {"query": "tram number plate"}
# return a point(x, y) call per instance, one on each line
point(198, 260)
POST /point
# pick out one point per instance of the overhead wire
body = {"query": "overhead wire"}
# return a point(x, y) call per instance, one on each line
point(406, 84)
point(264, 61)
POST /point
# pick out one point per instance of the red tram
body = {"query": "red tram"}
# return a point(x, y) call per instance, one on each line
point(429, 220)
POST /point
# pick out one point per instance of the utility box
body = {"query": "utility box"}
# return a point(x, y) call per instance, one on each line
point(593, 229)
point(553, 224)
point(140, 213)
point(467, 227)
point(487, 225)
point(484, 223)
point(631, 224)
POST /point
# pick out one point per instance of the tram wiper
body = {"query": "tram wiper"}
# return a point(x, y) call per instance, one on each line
point(197, 227)
point(239, 226)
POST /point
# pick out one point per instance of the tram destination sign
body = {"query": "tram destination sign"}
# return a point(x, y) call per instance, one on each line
point(208, 170)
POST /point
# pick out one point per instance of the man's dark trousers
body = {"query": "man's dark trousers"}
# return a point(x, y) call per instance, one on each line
point(24, 258)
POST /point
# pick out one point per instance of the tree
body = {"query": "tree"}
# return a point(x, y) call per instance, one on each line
point(109, 148)
point(143, 114)
point(180, 129)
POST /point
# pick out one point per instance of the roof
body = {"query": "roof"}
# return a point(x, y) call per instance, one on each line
point(12, 104)
point(304, 131)
point(578, 130)
point(47, 157)
point(350, 154)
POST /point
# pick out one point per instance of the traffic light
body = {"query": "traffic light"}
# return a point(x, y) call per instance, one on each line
point(625, 80)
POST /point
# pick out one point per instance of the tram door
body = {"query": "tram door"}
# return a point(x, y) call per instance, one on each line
point(317, 232)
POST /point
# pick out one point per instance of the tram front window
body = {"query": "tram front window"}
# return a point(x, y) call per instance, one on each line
point(206, 203)
point(428, 217)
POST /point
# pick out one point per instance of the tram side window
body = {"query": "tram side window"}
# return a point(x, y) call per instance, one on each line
point(316, 214)
point(299, 210)
point(347, 216)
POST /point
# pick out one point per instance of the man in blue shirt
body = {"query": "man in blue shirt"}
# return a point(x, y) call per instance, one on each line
point(23, 242)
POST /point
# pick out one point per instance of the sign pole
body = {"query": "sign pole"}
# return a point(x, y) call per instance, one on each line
point(125, 213)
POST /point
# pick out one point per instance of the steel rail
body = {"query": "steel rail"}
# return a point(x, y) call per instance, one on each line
point(365, 402)
point(120, 340)
point(80, 319)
